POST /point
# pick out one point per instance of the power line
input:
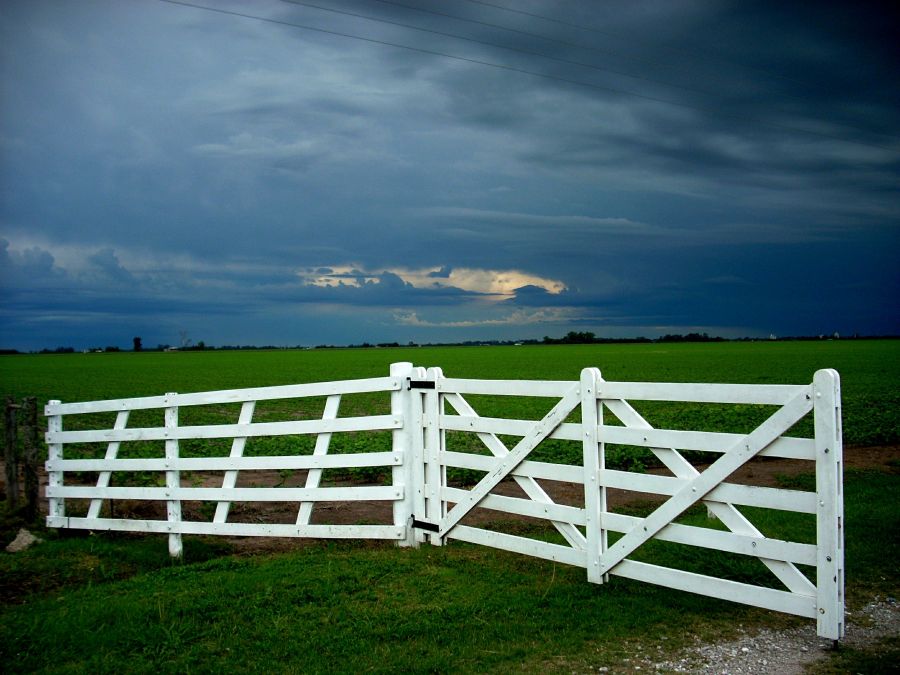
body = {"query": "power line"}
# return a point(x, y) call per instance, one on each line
point(489, 64)
point(485, 43)
point(517, 31)
point(567, 43)
point(655, 62)
point(693, 53)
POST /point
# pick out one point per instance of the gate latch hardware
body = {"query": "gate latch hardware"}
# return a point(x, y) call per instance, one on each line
point(425, 525)
point(419, 384)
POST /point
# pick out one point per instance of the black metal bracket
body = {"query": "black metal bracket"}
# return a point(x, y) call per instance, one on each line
point(425, 525)
point(419, 384)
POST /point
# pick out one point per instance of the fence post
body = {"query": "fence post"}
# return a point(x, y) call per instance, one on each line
point(417, 455)
point(435, 474)
point(830, 498)
point(11, 454)
point(173, 480)
point(57, 505)
point(31, 458)
point(402, 475)
point(594, 460)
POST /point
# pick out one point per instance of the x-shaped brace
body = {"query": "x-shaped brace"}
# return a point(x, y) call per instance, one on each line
point(700, 484)
point(508, 460)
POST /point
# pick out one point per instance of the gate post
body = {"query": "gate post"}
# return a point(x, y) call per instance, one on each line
point(594, 461)
point(31, 459)
point(11, 454)
point(57, 508)
point(173, 480)
point(830, 501)
point(402, 475)
point(417, 455)
point(435, 473)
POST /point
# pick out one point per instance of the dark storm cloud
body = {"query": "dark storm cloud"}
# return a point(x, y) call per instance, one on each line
point(631, 168)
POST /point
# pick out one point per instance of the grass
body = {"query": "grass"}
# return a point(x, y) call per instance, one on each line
point(347, 608)
point(117, 603)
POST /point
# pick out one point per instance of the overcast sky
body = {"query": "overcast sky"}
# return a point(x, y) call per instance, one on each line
point(433, 170)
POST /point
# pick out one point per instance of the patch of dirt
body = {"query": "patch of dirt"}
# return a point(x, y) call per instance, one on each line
point(760, 471)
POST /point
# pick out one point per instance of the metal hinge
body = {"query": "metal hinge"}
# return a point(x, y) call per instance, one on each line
point(419, 384)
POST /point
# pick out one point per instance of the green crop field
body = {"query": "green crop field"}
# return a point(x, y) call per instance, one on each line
point(870, 371)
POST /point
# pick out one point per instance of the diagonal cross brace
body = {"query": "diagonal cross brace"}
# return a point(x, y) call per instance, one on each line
point(541, 430)
point(237, 450)
point(529, 485)
point(323, 440)
point(112, 452)
point(730, 516)
point(735, 457)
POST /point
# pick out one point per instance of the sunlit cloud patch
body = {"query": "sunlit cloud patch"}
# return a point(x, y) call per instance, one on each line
point(500, 284)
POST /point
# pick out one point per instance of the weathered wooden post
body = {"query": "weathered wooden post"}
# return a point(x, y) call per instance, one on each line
point(435, 442)
point(402, 443)
point(31, 458)
point(594, 459)
point(57, 505)
point(11, 454)
point(830, 511)
point(173, 477)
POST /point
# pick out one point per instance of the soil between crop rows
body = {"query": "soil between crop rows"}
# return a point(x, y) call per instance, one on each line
point(763, 472)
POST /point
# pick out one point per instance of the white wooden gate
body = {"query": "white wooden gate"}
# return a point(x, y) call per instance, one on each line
point(430, 413)
point(606, 416)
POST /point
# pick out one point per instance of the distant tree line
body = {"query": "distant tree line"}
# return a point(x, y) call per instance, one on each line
point(570, 338)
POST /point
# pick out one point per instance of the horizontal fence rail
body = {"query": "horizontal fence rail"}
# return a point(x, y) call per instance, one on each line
point(223, 471)
point(454, 473)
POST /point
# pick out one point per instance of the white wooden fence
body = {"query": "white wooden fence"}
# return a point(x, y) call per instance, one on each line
point(433, 424)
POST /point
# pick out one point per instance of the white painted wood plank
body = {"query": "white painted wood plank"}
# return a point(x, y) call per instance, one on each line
point(719, 540)
point(763, 394)
point(237, 450)
point(521, 507)
point(567, 473)
point(728, 493)
point(699, 486)
point(332, 404)
point(415, 461)
point(747, 594)
point(830, 511)
point(506, 464)
point(523, 545)
point(361, 386)
point(403, 441)
point(536, 388)
point(55, 478)
point(594, 462)
point(505, 427)
point(292, 428)
point(111, 452)
point(434, 446)
point(570, 533)
point(282, 494)
point(233, 529)
point(733, 519)
point(706, 441)
point(342, 461)
point(173, 482)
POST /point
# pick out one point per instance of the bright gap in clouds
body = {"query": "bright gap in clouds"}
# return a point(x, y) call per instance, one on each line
point(499, 283)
